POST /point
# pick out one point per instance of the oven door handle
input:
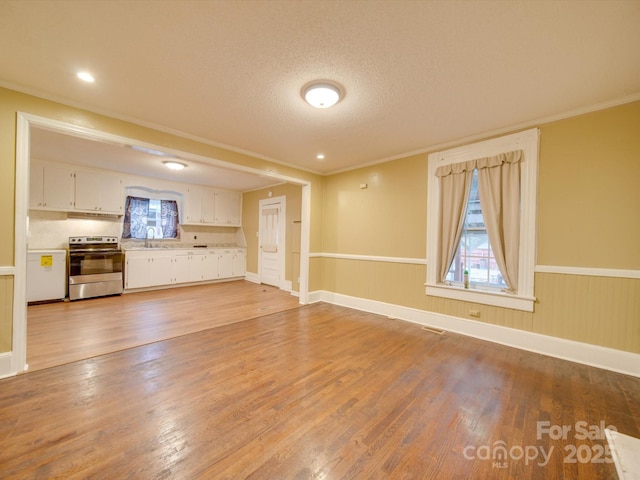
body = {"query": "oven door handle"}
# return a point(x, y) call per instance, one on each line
point(102, 250)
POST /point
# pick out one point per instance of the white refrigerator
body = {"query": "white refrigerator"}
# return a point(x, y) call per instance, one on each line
point(46, 275)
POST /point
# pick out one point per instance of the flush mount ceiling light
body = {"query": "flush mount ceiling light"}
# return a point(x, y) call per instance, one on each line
point(86, 77)
point(173, 165)
point(321, 94)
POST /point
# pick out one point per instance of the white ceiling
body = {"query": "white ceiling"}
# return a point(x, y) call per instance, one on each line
point(416, 73)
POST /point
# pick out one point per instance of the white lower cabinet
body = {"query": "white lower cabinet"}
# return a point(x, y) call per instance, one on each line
point(210, 266)
point(145, 268)
point(232, 263)
point(225, 265)
point(187, 267)
point(239, 263)
point(148, 269)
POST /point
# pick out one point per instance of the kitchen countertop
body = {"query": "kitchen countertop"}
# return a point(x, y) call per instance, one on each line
point(182, 247)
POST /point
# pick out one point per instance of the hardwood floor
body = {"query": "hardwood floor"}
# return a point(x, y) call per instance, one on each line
point(59, 333)
point(319, 391)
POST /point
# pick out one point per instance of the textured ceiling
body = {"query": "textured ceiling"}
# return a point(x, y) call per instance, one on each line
point(416, 73)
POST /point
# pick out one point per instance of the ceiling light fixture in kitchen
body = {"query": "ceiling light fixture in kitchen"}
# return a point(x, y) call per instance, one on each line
point(322, 94)
point(172, 165)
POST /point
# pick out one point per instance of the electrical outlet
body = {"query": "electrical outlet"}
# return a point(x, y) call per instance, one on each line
point(474, 313)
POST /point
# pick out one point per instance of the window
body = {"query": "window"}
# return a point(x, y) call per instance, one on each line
point(150, 218)
point(474, 253)
point(481, 218)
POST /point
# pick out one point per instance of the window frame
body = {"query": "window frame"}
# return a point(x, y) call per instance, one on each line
point(528, 142)
point(156, 195)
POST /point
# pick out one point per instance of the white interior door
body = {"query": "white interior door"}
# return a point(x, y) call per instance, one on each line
point(271, 241)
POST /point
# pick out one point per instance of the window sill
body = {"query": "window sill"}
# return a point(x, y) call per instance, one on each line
point(496, 299)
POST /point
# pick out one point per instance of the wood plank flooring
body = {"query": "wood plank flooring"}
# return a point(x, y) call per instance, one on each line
point(59, 333)
point(319, 391)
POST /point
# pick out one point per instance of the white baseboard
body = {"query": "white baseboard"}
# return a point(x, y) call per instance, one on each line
point(7, 368)
point(252, 277)
point(285, 285)
point(593, 355)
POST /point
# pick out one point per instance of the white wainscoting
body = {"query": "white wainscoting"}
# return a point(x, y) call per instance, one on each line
point(7, 271)
point(588, 271)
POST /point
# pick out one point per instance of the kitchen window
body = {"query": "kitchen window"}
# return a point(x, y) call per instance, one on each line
point(481, 220)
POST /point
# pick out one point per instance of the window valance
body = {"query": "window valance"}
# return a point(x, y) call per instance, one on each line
point(484, 162)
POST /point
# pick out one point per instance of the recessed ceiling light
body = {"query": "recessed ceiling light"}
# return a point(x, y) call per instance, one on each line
point(174, 165)
point(320, 156)
point(321, 94)
point(86, 76)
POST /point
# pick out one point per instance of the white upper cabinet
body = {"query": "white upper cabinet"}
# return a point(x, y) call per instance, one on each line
point(99, 192)
point(199, 206)
point(68, 188)
point(60, 187)
point(207, 206)
point(228, 208)
point(51, 187)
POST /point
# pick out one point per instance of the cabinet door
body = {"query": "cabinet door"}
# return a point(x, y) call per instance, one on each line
point(161, 269)
point(239, 264)
point(228, 208)
point(221, 208)
point(193, 205)
point(57, 188)
point(137, 272)
point(36, 186)
point(208, 206)
point(182, 269)
point(144, 269)
point(111, 194)
point(234, 209)
point(225, 265)
point(87, 191)
point(199, 205)
point(98, 192)
point(210, 266)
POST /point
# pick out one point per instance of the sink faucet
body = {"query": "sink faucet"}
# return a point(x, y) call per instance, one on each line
point(153, 235)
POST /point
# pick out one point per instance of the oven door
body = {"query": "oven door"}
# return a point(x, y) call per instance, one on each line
point(94, 263)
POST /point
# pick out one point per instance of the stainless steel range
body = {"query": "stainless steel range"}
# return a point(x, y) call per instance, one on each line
point(95, 267)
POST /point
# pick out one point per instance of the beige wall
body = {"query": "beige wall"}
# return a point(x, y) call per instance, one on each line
point(386, 218)
point(12, 102)
point(589, 190)
point(588, 216)
point(250, 225)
